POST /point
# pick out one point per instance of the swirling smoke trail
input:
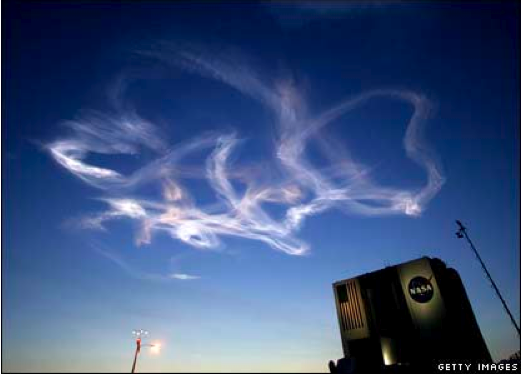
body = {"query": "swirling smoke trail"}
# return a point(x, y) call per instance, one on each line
point(304, 190)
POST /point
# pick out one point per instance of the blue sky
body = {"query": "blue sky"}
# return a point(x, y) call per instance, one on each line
point(207, 171)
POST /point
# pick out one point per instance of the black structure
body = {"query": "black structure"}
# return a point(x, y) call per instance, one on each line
point(407, 317)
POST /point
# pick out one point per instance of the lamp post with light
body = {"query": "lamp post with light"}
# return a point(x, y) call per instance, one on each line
point(139, 334)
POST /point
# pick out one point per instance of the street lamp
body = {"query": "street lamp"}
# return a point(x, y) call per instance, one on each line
point(139, 334)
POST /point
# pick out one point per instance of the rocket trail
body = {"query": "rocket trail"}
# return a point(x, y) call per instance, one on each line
point(302, 190)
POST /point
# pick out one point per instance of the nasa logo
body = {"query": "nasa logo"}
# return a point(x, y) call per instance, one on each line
point(421, 290)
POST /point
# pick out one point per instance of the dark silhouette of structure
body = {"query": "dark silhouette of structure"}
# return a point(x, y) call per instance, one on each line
point(406, 318)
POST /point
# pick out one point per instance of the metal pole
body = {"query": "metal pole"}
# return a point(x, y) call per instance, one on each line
point(462, 229)
point(135, 355)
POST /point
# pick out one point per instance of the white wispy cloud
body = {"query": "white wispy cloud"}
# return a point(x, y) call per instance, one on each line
point(136, 273)
point(184, 276)
point(301, 189)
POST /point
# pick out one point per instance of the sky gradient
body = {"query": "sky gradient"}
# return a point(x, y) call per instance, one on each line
point(207, 171)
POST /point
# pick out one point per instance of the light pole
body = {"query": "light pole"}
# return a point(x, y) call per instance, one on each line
point(139, 334)
point(462, 233)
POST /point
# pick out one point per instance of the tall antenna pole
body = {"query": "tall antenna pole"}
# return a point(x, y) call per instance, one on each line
point(462, 233)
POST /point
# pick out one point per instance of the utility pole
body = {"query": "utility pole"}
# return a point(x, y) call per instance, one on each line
point(139, 334)
point(462, 233)
point(138, 348)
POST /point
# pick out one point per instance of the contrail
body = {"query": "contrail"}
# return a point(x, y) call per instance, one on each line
point(301, 189)
point(139, 274)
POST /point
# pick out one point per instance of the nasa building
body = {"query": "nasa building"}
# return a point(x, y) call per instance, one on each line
point(415, 314)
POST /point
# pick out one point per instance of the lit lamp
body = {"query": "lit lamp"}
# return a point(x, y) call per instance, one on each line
point(153, 347)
